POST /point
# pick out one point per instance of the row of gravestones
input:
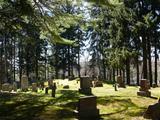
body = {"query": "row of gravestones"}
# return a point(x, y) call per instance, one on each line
point(87, 105)
point(24, 85)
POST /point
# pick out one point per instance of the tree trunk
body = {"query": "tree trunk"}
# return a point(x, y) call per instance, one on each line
point(124, 80)
point(144, 57)
point(113, 75)
point(5, 59)
point(69, 62)
point(20, 59)
point(14, 62)
point(79, 67)
point(155, 62)
point(149, 62)
point(1, 63)
point(56, 62)
point(36, 65)
point(27, 61)
point(128, 71)
point(137, 67)
point(46, 64)
point(104, 69)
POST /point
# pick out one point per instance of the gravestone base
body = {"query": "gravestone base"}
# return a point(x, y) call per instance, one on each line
point(86, 91)
point(121, 86)
point(144, 93)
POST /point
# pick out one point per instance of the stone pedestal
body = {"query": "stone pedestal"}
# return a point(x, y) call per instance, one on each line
point(87, 108)
point(34, 87)
point(120, 82)
point(144, 88)
point(85, 84)
point(24, 83)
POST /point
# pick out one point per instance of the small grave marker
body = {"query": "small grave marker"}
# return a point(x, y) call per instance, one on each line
point(24, 83)
point(144, 88)
point(34, 87)
point(120, 81)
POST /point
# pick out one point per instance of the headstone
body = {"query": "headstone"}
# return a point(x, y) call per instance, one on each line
point(71, 77)
point(50, 83)
point(46, 90)
point(97, 83)
point(120, 81)
point(87, 108)
point(144, 88)
point(7, 87)
point(41, 85)
point(54, 87)
point(24, 83)
point(154, 85)
point(34, 87)
point(153, 112)
point(14, 86)
point(85, 84)
point(66, 86)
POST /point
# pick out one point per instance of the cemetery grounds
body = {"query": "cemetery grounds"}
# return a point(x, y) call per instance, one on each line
point(123, 104)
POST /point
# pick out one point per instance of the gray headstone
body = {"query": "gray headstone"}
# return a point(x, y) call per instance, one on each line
point(14, 86)
point(7, 87)
point(24, 82)
point(120, 81)
point(144, 88)
point(34, 87)
point(85, 84)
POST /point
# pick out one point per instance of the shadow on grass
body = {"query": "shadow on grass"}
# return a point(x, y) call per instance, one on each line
point(29, 107)
point(123, 106)
point(20, 106)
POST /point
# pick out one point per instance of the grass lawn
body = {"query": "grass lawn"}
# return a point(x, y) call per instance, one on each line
point(123, 104)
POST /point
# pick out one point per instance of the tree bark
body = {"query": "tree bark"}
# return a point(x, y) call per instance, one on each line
point(144, 57)
point(56, 62)
point(104, 69)
point(137, 67)
point(128, 71)
point(69, 62)
point(149, 62)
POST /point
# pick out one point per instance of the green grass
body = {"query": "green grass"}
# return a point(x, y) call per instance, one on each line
point(123, 104)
